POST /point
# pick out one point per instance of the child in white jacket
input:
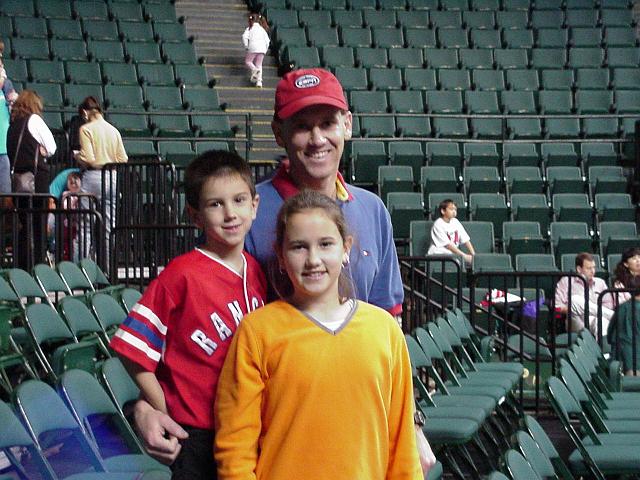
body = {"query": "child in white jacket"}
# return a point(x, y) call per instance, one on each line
point(256, 41)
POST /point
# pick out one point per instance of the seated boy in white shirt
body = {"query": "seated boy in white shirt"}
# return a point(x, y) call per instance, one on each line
point(447, 234)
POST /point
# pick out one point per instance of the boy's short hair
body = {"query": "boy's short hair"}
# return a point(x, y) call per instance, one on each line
point(214, 163)
point(444, 204)
point(77, 175)
point(583, 257)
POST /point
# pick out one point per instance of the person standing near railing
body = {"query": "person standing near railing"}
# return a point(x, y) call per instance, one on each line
point(100, 144)
point(626, 270)
point(624, 331)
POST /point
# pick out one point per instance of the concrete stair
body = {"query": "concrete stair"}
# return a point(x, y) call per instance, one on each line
point(217, 26)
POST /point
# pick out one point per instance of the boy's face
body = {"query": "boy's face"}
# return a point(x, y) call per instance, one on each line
point(314, 140)
point(74, 184)
point(226, 212)
point(450, 212)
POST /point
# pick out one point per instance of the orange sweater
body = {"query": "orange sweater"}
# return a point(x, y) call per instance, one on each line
point(296, 401)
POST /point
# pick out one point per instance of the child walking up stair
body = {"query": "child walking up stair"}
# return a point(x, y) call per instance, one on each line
point(256, 42)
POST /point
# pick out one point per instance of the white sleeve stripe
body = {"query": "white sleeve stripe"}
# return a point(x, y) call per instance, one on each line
point(139, 344)
point(151, 317)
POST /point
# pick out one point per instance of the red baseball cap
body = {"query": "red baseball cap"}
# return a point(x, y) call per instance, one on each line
point(302, 88)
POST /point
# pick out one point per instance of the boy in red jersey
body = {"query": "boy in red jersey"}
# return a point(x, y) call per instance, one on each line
point(175, 339)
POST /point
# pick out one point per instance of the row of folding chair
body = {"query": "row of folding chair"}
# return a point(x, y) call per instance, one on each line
point(537, 59)
point(76, 29)
point(156, 10)
point(605, 17)
point(421, 5)
point(103, 73)
point(385, 37)
point(101, 50)
point(83, 447)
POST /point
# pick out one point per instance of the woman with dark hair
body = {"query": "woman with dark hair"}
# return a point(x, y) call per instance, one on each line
point(29, 143)
point(100, 144)
point(628, 267)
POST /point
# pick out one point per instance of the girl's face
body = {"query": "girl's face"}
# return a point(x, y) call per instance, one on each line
point(312, 254)
point(633, 264)
point(74, 184)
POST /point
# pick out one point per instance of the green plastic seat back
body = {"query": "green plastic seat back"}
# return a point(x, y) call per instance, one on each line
point(73, 276)
point(78, 316)
point(24, 284)
point(540, 436)
point(49, 278)
point(119, 384)
point(428, 344)
point(534, 455)
point(46, 324)
point(107, 310)
point(519, 467)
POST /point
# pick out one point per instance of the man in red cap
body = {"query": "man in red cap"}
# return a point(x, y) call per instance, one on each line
point(311, 122)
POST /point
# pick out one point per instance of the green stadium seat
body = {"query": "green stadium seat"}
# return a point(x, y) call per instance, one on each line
point(352, 78)
point(454, 79)
point(493, 262)
point(520, 155)
point(484, 20)
point(482, 236)
point(51, 93)
point(394, 178)
point(531, 207)
point(552, 38)
point(616, 207)
point(548, 58)
point(441, 58)
point(482, 155)
point(537, 262)
point(54, 9)
point(547, 19)
point(30, 27)
point(524, 128)
point(322, 36)
point(362, 4)
point(482, 38)
point(170, 32)
point(379, 18)
point(408, 153)
point(16, 69)
point(582, 18)
point(406, 58)
point(168, 148)
point(347, 18)
point(562, 127)
point(378, 126)
point(131, 124)
point(101, 30)
point(621, 4)
point(369, 102)
point(522, 237)
point(600, 127)
point(30, 48)
point(594, 101)
point(481, 180)
point(206, 145)
point(518, 38)
point(436, 198)
point(171, 125)
point(83, 72)
point(490, 207)
point(212, 125)
point(473, 58)
point(333, 56)
point(445, 19)
point(387, 37)
point(620, 37)
point(406, 101)
point(493, 5)
point(302, 5)
point(315, 18)
point(610, 17)
point(508, 59)
point(557, 79)
point(282, 18)
point(593, 79)
point(518, 102)
point(332, 5)
point(480, 101)
point(156, 74)
point(106, 50)
point(623, 57)
point(47, 71)
point(201, 99)
point(616, 237)
point(368, 57)
point(420, 79)
point(524, 180)
point(419, 237)
point(627, 101)
point(458, 5)
point(140, 148)
point(163, 98)
point(356, 37)
point(92, 10)
point(523, 80)
point(413, 18)
point(452, 37)
point(445, 154)
point(366, 157)
point(124, 97)
point(127, 12)
point(404, 207)
point(422, 4)
point(437, 179)
point(302, 57)
point(162, 13)
point(600, 153)
point(76, 93)
point(570, 237)
point(116, 73)
point(607, 179)
point(420, 38)
point(398, 5)
point(555, 102)
point(559, 154)
point(385, 78)
point(586, 37)
point(563, 179)
point(133, 31)
point(144, 52)
point(572, 207)
point(492, 80)
point(184, 52)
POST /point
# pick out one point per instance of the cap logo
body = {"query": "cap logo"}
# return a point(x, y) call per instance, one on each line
point(307, 81)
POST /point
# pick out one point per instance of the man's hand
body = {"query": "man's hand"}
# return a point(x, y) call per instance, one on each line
point(427, 458)
point(160, 434)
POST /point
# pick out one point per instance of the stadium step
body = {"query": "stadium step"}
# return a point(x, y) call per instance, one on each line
point(217, 26)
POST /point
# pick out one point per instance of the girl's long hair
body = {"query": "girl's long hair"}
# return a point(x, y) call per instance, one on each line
point(622, 273)
point(27, 104)
point(261, 19)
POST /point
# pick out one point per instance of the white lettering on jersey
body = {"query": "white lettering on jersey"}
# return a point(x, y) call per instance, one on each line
point(236, 311)
point(224, 331)
point(203, 342)
point(255, 303)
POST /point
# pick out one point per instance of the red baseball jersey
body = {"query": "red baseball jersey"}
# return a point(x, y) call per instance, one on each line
point(182, 327)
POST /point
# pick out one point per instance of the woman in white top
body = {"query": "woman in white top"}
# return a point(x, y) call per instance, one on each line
point(256, 42)
point(447, 234)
